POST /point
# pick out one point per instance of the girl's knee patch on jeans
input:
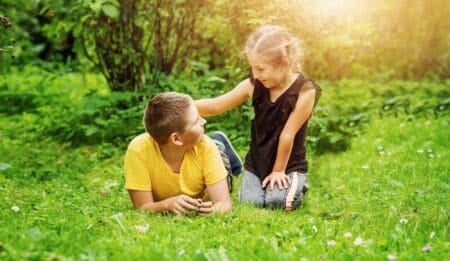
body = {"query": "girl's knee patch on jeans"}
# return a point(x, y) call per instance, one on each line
point(287, 199)
point(290, 198)
point(296, 191)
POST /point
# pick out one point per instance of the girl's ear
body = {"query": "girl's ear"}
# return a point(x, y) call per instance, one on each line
point(285, 62)
point(175, 138)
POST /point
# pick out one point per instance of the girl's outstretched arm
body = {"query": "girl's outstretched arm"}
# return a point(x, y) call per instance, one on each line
point(227, 101)
point(302, 111)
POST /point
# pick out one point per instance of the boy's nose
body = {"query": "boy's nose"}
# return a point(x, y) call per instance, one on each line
point(203, 121)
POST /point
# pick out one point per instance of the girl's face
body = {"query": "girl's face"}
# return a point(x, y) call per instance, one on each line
point(269, 75)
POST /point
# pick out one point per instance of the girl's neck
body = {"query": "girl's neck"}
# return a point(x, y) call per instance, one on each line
point(288, 80)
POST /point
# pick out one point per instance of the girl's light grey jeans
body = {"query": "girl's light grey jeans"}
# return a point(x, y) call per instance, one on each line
point(287, 199)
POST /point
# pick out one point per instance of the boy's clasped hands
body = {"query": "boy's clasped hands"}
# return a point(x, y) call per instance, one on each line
point(185, 205)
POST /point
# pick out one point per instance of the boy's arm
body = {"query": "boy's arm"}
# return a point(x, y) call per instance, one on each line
point(220, 198)
point(298, 117)
point(227, 101)
point(180, 205)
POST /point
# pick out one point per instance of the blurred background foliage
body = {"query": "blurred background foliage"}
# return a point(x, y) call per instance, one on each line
point(138, 48)
point(402, 39)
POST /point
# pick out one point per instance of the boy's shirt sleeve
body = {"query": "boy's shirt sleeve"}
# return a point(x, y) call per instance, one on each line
point(136, 171)
point(214, 170)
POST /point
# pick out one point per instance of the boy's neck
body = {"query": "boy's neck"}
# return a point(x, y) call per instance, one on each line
point(173, 155)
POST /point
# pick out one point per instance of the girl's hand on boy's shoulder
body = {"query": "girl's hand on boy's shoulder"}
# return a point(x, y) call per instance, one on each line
point(276, 178)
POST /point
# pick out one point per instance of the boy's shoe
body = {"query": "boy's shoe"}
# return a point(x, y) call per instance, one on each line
point(235, 162)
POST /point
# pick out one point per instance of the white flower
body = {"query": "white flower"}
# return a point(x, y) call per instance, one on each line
point(142, 228)
point(15, 208)
point(391, 257)
point(314, 228)
point(348, 235)
point(426, 248)
point(358, 241)
point(420, 151)
point(365, 167)
point(432, 235)
point(331, 243)
point(403, 221)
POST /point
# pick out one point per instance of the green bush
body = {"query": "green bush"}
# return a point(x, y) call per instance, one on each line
point(112, 118)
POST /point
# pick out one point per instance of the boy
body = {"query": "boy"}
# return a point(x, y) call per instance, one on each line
point(174, 167)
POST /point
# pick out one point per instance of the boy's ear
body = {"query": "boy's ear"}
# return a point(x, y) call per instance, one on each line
point(175, 138)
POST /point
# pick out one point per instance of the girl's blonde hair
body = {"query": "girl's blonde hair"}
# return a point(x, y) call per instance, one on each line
point(273, 43)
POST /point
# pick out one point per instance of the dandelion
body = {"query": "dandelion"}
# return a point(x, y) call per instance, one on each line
point(403, 221)
point(314, 228)
point(331, 243)
point(358, 241)
point(391, 257)
point(365, 167)
point(426, 248)
point(142, 228)
point(348, 235)
point(432, 235)
point(15, 209)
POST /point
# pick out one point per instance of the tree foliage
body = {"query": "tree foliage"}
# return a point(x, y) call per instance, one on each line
point(134, 42)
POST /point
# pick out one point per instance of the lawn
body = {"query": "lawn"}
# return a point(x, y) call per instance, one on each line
point(385, 197)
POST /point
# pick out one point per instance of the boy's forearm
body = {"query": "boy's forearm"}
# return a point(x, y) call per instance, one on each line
point(222, 206)
point(156, 207)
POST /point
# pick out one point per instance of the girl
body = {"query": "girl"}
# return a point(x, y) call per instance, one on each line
point(275, 167)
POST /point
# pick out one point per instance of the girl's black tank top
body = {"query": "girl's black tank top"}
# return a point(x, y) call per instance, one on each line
point(270, 118)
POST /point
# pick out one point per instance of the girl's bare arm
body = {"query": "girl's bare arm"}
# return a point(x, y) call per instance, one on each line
point(227, 101)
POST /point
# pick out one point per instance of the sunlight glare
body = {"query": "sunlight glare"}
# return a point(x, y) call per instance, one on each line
point(332, 8)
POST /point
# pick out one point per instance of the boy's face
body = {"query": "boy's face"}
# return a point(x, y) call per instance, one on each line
point(194, 130)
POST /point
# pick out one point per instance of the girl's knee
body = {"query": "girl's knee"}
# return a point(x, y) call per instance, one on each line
point(275, 199)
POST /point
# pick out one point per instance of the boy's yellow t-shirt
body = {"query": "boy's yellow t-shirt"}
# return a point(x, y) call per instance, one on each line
point(146, 169)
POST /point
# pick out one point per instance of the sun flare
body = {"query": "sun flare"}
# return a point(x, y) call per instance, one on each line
point(332, 8)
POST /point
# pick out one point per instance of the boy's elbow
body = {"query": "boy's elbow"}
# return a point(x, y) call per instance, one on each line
point(227, 207)
point(224, 207)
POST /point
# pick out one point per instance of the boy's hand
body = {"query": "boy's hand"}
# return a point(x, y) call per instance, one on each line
point(276, 178)
point(184, 205)
point(206, 208)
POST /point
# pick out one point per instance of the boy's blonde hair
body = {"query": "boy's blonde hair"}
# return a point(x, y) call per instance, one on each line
point(272, 43)
point(165, 114)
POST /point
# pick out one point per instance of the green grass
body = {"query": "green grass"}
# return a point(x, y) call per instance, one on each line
point(391, 189)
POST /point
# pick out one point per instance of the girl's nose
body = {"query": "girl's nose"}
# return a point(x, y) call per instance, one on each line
point(203, 121)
